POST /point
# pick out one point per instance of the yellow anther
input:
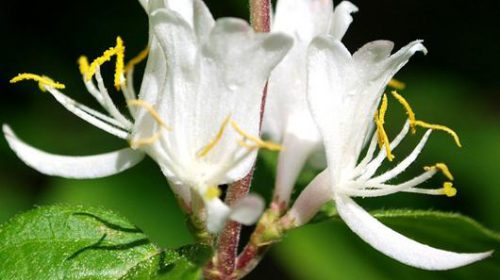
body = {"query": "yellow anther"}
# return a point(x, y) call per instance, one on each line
point(383, 109)
point(151, 110)
point(257, 141)
point(383, 139)
point(396, 84)
point(205, 150)
point(83, 64)
point(212, 192)
point(441, 167)
point(135, 144)
point(138, 59)
point(440, 127)
point(43, 81)
point(449, 190)
point(118, 50)
point(409, 110)
point(120, 62)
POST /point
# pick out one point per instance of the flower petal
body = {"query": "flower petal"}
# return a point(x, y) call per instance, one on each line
point(328, 62)
point(203, 20)
point(236, 64)
point(397, 246)
point(172, 46)
point(291, 160)
point(374, 63)
point(144, 4)
point(341, 19)
point(311, 199)
point(80, 167)
point(183, 9)
point(247, 210)
point(303, 19)
point(217, 214)
point(231, 68)
point(178, 45)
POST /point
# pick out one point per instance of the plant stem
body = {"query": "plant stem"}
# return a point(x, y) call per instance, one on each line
point(227, 250)
point(260, 16)
point(223, 265)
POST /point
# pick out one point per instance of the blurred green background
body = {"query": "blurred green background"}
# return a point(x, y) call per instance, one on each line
point(455, 84)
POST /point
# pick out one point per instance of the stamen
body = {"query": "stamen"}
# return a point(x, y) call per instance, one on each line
point(135, 144)
point(259, 143)
point(205, 150)
point(43, 81)
point(118, 51)
point(409, 110)
point(383, 139)
point(441, 167)
point(449, 190)
point(136, 60)
point(151, 111)
point(440, 127)
point(396, 84)
point(383, 109)
point(414, 123)
point(246, 145)
point(120, 62)
point(212, 192)
point(83, 64)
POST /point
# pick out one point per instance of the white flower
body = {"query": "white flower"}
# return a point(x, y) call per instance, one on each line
point(344, 91)
point(197, 113)
point(287, 118)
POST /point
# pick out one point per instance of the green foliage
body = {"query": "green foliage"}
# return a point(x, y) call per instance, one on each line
point(339, 252)
point(68, 242)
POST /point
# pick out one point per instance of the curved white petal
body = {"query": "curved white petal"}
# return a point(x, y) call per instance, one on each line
point(240, 61)
point(327, 66)
point(247, 210)
point(217, 214)
point(203, 20)
point(213, 79)
point(172, 51)
point(341, 19)
point(154, 5)
point(373, 52)
point(397, 246)
point(144, 4)
point(303, 19)
point(184, 8)
point(291, 160)
point(311, 199)
point(80, 167)
point(374, 62)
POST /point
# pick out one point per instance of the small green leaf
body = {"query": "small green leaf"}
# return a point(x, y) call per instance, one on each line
point(68, 242)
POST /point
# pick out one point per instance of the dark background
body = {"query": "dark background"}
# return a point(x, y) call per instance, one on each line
point(455, 84)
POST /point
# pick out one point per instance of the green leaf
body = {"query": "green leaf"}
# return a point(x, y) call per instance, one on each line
point(333, 250)
point(75, 242)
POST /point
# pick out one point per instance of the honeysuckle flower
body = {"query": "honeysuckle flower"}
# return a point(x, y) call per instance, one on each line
point(197, 113)
point(287, 118)
point(344, 91)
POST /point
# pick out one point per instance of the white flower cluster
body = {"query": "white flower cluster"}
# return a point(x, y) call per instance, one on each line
point(198, 113)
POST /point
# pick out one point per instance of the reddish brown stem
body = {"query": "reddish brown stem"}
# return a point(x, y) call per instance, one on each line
point(260, 15)
point(223, 265)
point(227, 250)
